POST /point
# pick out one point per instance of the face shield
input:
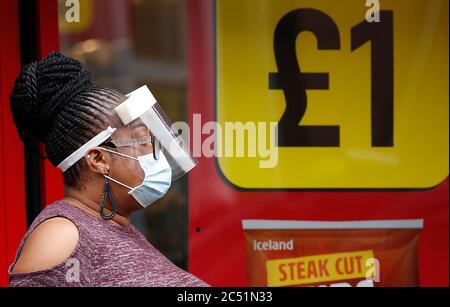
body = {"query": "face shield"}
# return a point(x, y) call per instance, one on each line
point(148, 133)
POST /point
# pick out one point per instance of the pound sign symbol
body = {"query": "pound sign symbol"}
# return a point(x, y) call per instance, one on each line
point(294, 83)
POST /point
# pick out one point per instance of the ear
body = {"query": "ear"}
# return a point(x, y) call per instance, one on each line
point(98, 161)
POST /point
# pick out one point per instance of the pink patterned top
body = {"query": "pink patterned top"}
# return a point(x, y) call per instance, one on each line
point(106, 255)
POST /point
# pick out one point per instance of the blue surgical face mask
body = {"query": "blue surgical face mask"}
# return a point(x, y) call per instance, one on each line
point(157, 178)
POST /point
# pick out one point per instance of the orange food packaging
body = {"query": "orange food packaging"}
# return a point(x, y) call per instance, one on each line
point(322, 253)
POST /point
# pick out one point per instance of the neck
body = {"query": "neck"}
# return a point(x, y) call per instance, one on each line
point(79, 200)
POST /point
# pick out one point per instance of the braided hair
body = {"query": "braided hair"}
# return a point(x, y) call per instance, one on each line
point(55, 102)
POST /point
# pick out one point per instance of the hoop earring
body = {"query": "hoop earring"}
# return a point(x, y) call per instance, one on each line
point(107, 193)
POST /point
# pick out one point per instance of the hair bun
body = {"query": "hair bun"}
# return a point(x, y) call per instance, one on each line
point(42, 89)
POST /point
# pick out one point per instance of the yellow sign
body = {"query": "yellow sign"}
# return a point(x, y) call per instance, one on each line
point(356, 104)
point(317, 269)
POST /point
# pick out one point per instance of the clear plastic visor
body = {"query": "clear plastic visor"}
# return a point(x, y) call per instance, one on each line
point(147, 131)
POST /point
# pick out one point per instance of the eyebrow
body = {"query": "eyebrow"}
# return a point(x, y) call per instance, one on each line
point(140, 125)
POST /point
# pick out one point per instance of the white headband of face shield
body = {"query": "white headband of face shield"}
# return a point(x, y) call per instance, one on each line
point(80, 152)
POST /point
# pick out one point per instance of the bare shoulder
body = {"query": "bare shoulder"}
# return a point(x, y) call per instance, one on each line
point(50, 244)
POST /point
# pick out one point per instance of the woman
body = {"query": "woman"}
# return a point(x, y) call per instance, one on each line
point(86, 239)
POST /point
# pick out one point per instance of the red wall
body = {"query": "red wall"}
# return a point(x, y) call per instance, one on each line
point(12, 169)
